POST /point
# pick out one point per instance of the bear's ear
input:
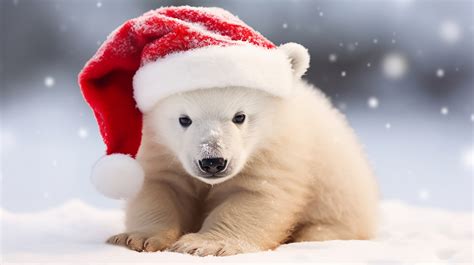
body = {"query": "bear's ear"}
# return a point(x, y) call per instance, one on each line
point(298, 56)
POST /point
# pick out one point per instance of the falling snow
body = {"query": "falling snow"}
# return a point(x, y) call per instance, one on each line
point(444, 110)
point(388, 126)
point(450, 32)
point(440, 73)
point(82, 133)
point(99, 4)
point(394, 66)
point(321, 14)
point(373, 102)
point(284, 25)
point(332, 57)
point(343, 73)
point(375, 41)
point(49, 81)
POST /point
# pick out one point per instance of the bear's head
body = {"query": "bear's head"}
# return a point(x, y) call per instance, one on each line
point(213, 132)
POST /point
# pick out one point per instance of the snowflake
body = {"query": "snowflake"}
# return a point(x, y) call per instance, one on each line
point(449, 31)
point(285, 26)
point(343, 73)
point(99, 4)
point(444, 110)
point(49, 81)
point(368, 64)
point(54, 163)
point(375, 41)
point(388, 126)
point(394, 66)
point(321, 14)
point(472, 117)
point(440, 73)
point(82, 133)
point(332, 57)
point(373, 102)
point(424, 195)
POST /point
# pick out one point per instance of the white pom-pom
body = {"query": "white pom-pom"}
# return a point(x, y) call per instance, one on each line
point(299, 57)
point(118, 176)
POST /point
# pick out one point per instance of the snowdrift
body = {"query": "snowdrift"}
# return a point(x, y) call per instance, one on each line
point(75, 233)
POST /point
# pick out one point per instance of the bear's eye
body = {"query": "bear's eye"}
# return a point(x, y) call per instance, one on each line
point(185, 121)
point(239, 118)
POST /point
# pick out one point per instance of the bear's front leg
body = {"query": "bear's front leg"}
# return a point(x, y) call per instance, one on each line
point(155, 218)
point(243, 222)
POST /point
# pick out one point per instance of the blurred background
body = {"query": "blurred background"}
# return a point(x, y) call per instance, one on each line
point(401, 71)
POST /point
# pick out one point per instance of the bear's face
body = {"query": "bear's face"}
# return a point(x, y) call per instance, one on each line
point(213, 131)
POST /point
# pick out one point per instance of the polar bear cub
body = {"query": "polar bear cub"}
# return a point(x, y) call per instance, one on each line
point(235, 170)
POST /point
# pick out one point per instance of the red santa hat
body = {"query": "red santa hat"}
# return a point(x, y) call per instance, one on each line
point(170, 50)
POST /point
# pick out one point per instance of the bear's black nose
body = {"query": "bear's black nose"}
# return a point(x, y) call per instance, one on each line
point(213, 165)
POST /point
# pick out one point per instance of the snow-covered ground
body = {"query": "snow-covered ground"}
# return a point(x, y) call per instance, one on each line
point(75, 233)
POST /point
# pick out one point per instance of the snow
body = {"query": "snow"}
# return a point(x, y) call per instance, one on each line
point(285, 26)
point(82, 133)
point(332, 57)
point(99, 4)
point(394, 65)
point(343, 73)
point(49, 81)
point(75, 232)
point(440, 73)
point(444, 110)
point(449, 32)
point(373, 102)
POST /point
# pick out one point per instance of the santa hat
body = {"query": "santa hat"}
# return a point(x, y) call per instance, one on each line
point(170, 50)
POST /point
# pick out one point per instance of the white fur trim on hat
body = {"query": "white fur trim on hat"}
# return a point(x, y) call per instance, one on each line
point(118, 176)
point(270, 70)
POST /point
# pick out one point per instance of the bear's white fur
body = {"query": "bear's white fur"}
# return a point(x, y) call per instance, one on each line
point(296, 173)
